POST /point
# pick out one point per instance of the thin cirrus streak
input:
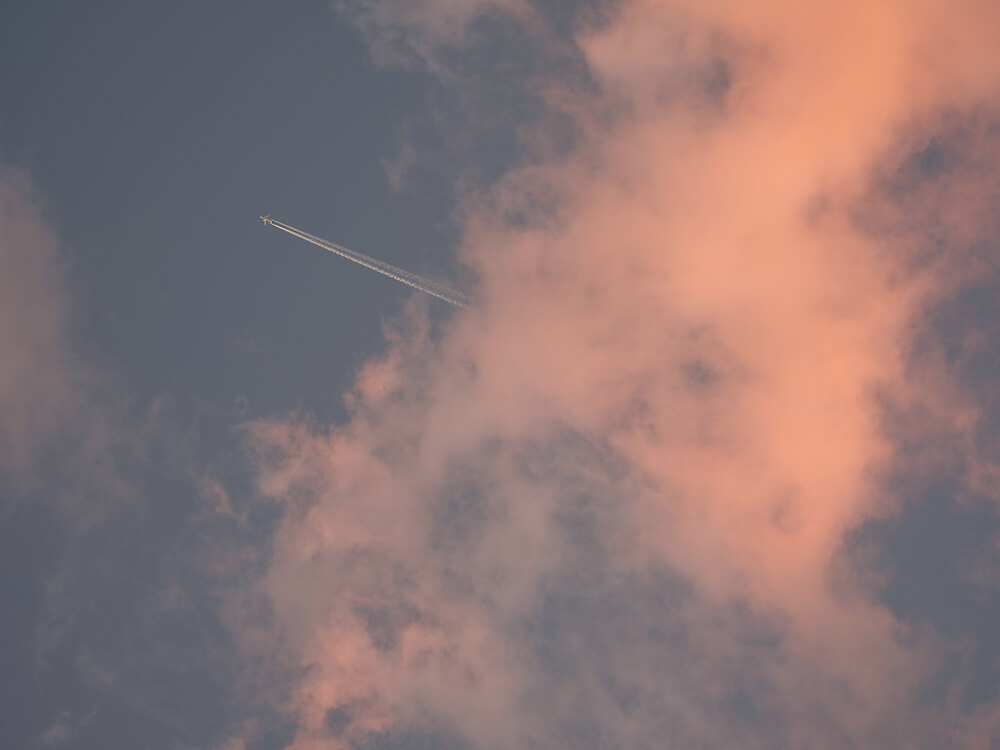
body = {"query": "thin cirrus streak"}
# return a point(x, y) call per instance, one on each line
point(452, 296)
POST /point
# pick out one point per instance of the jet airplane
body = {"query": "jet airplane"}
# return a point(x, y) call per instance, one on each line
point(452, 296)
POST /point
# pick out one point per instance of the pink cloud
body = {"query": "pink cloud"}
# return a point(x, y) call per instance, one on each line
point(36, 388)
point(622, 485)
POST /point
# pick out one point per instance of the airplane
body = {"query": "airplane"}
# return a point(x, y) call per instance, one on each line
point(266, 219)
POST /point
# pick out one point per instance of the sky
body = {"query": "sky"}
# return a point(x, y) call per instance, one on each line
point(711, 462)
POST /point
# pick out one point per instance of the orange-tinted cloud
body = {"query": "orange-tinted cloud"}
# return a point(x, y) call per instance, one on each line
point(609, 506)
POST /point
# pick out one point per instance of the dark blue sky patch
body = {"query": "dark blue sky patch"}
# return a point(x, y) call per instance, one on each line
point(384, 619)
point(337, 719)
point(932, 195)
point(965, 328)
point(934, 554)
point(594, 632)
point(413, 739)
point(463, 508)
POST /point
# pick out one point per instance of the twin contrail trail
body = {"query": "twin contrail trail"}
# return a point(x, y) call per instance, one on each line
point(453, 296)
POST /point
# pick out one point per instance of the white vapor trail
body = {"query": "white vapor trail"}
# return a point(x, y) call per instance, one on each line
point(452, 296)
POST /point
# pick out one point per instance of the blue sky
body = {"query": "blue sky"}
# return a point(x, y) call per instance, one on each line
point(172, 129)
point(713, 460)
point(154, 136)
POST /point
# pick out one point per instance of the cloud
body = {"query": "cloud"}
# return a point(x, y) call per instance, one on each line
point(64, 728)
point(60, 422)
point(37, 391)
point(414, 33)
point(612, 505)
point(97, 495)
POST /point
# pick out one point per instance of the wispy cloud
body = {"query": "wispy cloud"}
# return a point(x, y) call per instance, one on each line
point(65, 727)
point(91, 462)
point(37, 393)
point(418, 32)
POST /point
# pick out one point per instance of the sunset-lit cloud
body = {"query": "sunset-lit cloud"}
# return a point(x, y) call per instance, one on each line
point(36, 388)
point(612, 504)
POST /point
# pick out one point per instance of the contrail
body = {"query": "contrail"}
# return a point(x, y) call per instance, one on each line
point(453, 296)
